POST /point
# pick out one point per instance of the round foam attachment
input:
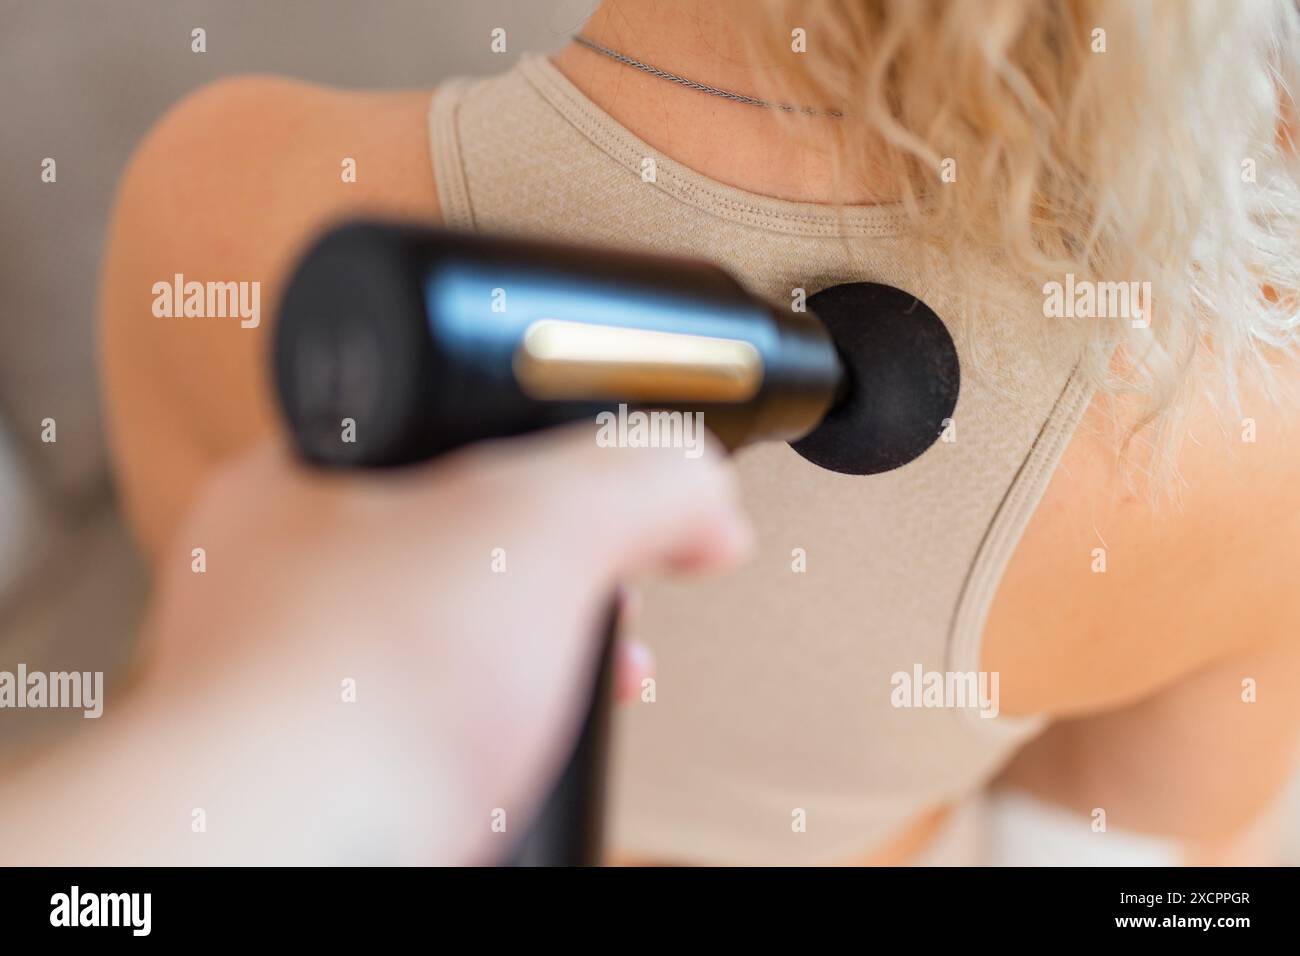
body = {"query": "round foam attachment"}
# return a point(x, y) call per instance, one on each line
point(903, 379)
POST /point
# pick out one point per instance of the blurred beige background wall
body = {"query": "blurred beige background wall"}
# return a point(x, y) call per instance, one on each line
point(81, 81)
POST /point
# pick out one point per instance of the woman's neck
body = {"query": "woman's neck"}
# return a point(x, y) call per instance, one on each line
point(745, 146)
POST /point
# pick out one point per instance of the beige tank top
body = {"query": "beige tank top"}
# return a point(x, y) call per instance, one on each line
point(788, 724)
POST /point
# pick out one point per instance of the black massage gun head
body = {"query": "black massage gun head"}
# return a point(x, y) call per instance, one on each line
point(903, 379)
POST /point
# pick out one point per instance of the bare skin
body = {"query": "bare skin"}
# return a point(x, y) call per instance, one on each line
point(1142, 665)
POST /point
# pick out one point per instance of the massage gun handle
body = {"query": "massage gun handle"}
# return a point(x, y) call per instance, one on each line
point(569, 828)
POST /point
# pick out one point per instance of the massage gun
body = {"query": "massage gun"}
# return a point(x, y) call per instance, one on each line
point(395, 344)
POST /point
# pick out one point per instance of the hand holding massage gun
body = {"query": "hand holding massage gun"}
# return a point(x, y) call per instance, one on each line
point(430, 340)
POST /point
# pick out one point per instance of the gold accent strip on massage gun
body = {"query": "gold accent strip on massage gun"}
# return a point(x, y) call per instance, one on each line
point(562, 360)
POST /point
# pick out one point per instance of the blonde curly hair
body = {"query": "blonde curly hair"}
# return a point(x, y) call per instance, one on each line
point(1112, 139)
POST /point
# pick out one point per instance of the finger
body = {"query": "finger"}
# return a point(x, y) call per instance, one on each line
point(644, 508)
point(633, 664)
point(606, 512)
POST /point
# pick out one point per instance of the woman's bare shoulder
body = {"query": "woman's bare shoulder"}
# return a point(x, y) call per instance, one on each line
point(1116, 593)
point(266, 145)
point(228, 187)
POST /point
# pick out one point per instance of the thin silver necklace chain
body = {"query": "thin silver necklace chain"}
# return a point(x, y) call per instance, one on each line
point(701, 87)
